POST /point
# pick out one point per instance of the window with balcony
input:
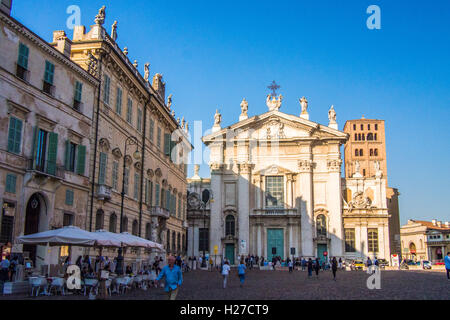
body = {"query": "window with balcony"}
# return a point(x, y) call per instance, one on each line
point(45, 152)
point(130, 111)
point(75, 158)
point(274, 192)
point(115, 175)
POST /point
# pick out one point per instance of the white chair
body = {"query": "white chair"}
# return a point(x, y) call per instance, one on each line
point(57, 285)
point(138, 280)
point(108, 285)
point(37, 283)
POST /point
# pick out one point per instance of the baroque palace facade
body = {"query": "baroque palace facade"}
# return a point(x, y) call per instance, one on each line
point(277, 190)
point(81, 122)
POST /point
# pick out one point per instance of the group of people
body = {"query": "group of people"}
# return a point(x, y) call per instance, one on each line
point(225, 271)
point(8, 268)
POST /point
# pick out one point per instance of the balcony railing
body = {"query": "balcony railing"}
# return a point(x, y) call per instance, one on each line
point(22, 73)
point(275, 212)
point(103, 192)
point(160, 212)
point(46, 168)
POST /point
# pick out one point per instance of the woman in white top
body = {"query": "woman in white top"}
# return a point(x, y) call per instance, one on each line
point(225, 272)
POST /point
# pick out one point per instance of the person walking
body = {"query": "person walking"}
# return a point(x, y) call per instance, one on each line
point(291, 266)
point(317, 267)
point(225, 272)
point(447, 264)
point(173, 277)
point(334, 266)
point(310, 267)
point(241, 271)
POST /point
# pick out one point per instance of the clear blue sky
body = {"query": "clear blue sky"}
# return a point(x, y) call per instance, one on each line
point(214, 53)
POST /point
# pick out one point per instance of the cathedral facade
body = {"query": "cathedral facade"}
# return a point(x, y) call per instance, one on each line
point(276, 190)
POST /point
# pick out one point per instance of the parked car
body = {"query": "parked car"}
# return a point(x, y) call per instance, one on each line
point(382, 263)
point(404, 266)
point(357, 265)
point(426, 264)
point(413, 263)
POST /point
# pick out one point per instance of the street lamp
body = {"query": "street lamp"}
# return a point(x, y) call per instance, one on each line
point(136, 155)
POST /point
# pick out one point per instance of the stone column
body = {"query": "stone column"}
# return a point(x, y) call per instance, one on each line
point(334, 203)
point(243, 206)
point(155, 226)
point(363, 244)
point(259, 240)
point(306, 206)
point(216, 217)
point(291, 237)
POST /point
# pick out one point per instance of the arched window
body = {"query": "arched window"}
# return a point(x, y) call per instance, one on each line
point(113, 223)
point(376, 128)
point(359, 136)
point(354, 127)
point(134, 228)
point(361, 153)
point(321, 225)
point(229, 225)
point(363, 137)
point(205, 195)
point(356, 137)
point(173, 241)
point(369, 136)
point(125, 224)
point(168, 240)
point(368, 128)
point(376, 152)
point(184, 243)
point(375, 137)
point(99, 219)
point(356, 152)
point(371, 152)
point(412, 248)
point(148, 231)
point(179, 243)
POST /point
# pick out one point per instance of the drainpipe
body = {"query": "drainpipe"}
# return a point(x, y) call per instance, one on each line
point(96, 139)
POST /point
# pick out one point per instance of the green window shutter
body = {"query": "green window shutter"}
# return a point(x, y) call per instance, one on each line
point(67, 156)
point(23, 56)
point(81, 159)
point(119, 101)
point(52, 153)
point(146, 191)
point(139, 119)
point(35, 144)
point(106, 87)
point(150, 193)
point(179, 207)
point(14, 135)
point(115, 174)
point(136, 185)
point(102, 168)
point(167, 199)
point(130, 111)
point(69, 197)
point(78, 91)
point(11, 183)
point(152, 129)
point(167, 144)
point(49, 72)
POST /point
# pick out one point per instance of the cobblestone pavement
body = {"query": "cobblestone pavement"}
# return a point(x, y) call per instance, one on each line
point(282, 285)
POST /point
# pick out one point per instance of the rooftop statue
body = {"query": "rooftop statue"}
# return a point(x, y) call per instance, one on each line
point(304, 104)
point(217, 118)
point(274, 103)
point(114, 31)
point(146, 71)
point(100, 17)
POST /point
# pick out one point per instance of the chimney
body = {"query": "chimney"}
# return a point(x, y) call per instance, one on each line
point(78, 33)
point(5, 6)
point(439, 224)
point(61, 42)
point(159, 86)
point(433, 222)
point(447, 224)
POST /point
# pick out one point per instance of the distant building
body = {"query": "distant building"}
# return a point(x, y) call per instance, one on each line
point(425, 240)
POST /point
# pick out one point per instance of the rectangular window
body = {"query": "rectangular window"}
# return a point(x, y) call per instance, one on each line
point(139, 119)
point(11, 180)
point(376, 126)
point(130, 111)
point(78, 91)
point(115, 175)
point(68, 219)
point(126, 182)
point(137, 180)
point(362, 127)
point(354, 127)
point(368, 126)
point(106, 88)
point(274, 192)
point(15, 135)
point(71, 149)
point(167, 204)
point(102, 168)
point(157, 195)
point(179, 207)
point(22, 62)
point(69, 197)
point(119, 101)
point(150, 193)
point(152, 129)
point(49, 72)
point(372, 239)
point(158, 138)
point(350, 240)
point(167, 145)
point(203, 244)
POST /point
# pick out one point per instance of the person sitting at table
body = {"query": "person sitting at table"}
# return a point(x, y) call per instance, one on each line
point(128, 271)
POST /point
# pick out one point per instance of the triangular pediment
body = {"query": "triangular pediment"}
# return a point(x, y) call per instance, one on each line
point(272, 170)
point(276, 125)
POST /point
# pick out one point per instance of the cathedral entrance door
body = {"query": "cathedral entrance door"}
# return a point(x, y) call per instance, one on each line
point(321, 248)
point(229, 253)
point(275, 243)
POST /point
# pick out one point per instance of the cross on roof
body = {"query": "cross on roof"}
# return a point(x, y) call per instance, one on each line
point(274, 87)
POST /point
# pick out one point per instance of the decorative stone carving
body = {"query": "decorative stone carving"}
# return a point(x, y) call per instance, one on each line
point(305, 165)
point(216, 168)
point(193, 201)
point(217, 121)
point(104, 144)
point(378, 171)
point(245, 168)
point(360, 201)
point(274, 103)
point(135, 64)
point(128, 160)
point(158, 173)
point(117, 153)
point(125, 51)
point(275, 130)
point(357, 173)
point(114, 31)
point(334, 165)
point(100, 17)
point(169, 101)
point(165, 183)
point(304, 104)
point(138, 165)
point(332, 118)
point(150, 173)
point(244, 110)
point(92, 64)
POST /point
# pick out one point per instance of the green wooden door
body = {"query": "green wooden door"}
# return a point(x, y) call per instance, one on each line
point(321, 248)
point(275, 243)
point(229, 253)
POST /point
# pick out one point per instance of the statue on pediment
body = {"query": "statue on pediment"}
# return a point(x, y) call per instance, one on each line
point(360, 201)
point(169, 101)
point(274, 103)
point(114, 31)
point(146, 71)
point(304, 105)
point(100, 17)
point(217, 118)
